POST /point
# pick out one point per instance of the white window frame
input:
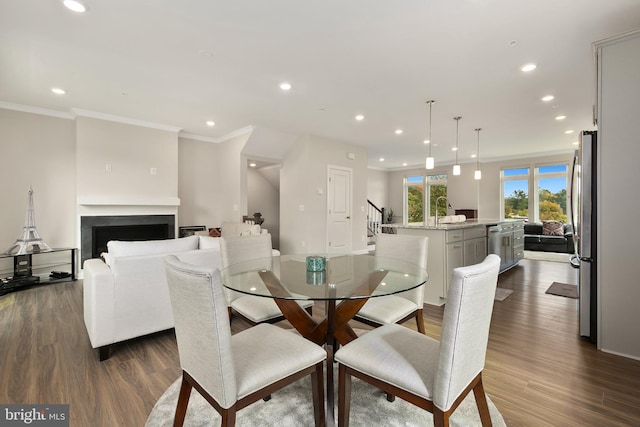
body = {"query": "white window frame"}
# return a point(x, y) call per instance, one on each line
point(536, 186)
point(522, 177)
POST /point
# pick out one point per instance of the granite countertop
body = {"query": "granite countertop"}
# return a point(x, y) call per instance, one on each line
point(450, 226)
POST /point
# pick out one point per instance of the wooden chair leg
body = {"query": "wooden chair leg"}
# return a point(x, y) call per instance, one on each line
point(481, 402)
point(228, 417)
point(391, 397)
point(420, 322)
point(267, 398)
point(183, 401)
point(440, 419)
point(344, 396)
point(317, 391)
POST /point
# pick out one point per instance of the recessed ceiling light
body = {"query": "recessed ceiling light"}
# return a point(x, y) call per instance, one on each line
point(359, 117)
point(426, 141)
point(75, 5)
point(211, 123)
point(547, 98)
point(398, 131)
point(253, 165)
point(575, 143)
point(454, 149)
point(285, 86)
point(569, 131)
point(528, 67)
point(561, 117)
point(473, 156)
point(58, 91)
point(381, 159)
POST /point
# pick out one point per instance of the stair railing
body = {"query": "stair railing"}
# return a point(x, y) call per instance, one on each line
point(375, 218)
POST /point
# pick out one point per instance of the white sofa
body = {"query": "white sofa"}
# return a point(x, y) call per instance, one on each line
point(127, 296)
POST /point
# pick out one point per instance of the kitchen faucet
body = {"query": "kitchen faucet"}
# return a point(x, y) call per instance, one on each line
point(438, 201)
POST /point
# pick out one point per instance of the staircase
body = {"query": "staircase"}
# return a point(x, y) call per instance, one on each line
point(375, 218)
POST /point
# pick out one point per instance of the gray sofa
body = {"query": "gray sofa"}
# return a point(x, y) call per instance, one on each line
point(535, 240)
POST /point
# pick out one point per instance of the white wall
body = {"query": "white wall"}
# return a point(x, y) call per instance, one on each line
point(131, 151)
point(37, 151)
point(264, 197)
point(618, 174)
point(304, 171)
point(232, 178)
point(198, 183)
point(378, 187)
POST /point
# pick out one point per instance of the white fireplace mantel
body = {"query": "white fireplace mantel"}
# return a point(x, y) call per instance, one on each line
point(128, 201)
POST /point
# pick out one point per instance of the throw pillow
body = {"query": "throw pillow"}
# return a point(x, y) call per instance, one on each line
point(553, 228)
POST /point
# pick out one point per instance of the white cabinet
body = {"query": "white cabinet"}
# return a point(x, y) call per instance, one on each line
point(475, 245)
point(449, 249)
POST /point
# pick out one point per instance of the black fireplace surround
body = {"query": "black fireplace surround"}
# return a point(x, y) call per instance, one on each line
point(96, 231)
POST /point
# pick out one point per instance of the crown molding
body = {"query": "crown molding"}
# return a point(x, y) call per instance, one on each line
point(220, 139)
point(120, 119)
point(235, 133)
point(197, 137)
point(36, 110)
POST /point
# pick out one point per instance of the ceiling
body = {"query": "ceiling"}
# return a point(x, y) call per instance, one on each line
point(181, 63)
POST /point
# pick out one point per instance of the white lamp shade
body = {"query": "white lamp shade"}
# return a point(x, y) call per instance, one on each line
point(430, 163)
point(477, 175)
point(456, 169)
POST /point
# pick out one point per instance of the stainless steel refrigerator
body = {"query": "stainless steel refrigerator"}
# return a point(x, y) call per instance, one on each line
point(583, 202)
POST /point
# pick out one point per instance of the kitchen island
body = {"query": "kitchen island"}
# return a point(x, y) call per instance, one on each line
point(465, 243)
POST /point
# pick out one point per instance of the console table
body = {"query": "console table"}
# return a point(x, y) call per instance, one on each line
point(39, 268)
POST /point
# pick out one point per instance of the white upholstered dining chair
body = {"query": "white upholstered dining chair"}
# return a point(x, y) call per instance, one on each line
point(231, 372)
point(254, 309)
point(400, 307)
point(433, 375)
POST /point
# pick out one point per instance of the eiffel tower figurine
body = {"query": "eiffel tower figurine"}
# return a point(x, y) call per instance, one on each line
point(29, 241)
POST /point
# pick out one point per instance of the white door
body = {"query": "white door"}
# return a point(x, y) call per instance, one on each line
point(339, 210)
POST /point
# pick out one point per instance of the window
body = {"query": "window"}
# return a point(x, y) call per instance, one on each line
point(437, 185)
point(551, 194)
point(515, 193)
point(415, 201)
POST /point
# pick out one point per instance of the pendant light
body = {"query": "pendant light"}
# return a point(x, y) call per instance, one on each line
point(456, 167)
point(430, 161)
point(477, 175)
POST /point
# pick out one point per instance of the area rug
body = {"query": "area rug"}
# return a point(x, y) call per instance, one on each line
point(502, 294)
point(292, 407)
point(563, 290)
point(547, 256)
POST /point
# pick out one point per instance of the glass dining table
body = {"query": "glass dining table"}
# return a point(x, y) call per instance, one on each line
point(343, 282)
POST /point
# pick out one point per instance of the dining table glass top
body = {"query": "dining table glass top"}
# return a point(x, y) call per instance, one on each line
point(352, 276)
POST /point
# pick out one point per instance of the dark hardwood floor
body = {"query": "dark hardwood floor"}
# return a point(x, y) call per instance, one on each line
point(538, 372)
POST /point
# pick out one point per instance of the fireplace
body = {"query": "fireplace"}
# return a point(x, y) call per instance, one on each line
point(96, 231)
